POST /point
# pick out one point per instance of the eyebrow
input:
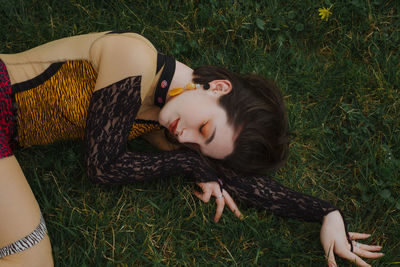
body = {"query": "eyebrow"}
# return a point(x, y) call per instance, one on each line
point(211, 137)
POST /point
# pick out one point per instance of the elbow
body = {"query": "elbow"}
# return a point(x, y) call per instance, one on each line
point(95, 179)
point(94, 173)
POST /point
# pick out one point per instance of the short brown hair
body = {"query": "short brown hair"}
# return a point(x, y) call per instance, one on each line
point(255, 107)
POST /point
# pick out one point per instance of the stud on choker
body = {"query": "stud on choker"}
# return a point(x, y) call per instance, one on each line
point(206, 86)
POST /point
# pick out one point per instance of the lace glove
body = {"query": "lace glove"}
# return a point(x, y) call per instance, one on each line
point(111, 114)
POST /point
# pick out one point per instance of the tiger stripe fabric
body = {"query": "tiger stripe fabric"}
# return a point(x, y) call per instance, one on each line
point(56, 109)
point(28, 241)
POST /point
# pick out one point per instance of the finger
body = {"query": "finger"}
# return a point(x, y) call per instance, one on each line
point(346, 254)
point(198, 195)
point(220, 208)
point(231, 204)
point(370, 248)
point(354, 236)
point(205, 196)
point(330, 256)
point(365, 253)
point(202, 196)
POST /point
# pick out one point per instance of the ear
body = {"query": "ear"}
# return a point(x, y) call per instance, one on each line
point(220, 87)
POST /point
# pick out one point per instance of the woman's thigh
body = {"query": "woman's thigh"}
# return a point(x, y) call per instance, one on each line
point(19, 216)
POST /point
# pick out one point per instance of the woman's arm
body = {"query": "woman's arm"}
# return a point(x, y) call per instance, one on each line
point(261, 192)
point(111, 114)
point(264, 193)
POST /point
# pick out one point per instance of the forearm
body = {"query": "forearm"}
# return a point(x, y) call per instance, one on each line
point(265, 193)
point(111, 113)
point(141, 166)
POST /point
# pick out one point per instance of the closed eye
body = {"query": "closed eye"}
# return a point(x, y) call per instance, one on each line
point(209, 139)
point(202, 127)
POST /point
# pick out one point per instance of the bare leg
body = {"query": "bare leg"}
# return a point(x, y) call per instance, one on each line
point(19, 216)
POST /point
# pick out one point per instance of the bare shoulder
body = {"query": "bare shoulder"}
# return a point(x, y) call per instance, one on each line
point(123, 42)
point(117, 56)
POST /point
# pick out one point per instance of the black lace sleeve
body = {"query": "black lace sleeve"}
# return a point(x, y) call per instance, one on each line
point(262, 192)
point(111, 114)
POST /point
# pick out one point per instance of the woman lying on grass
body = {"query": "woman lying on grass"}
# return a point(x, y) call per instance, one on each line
point(111, 87)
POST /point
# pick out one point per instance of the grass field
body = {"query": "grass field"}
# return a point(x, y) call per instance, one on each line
point(341, 81)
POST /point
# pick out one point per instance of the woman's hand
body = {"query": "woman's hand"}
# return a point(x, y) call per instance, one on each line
point(221, 198)
point(334, 241)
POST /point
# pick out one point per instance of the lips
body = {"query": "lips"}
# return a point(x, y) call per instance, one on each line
point(172, 126)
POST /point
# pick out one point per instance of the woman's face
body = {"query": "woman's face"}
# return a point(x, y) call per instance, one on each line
point(196, 117)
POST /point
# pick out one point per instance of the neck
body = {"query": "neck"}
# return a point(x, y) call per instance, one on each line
point(182, 76)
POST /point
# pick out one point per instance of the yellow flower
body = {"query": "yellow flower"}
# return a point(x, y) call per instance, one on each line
point(324, 13)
